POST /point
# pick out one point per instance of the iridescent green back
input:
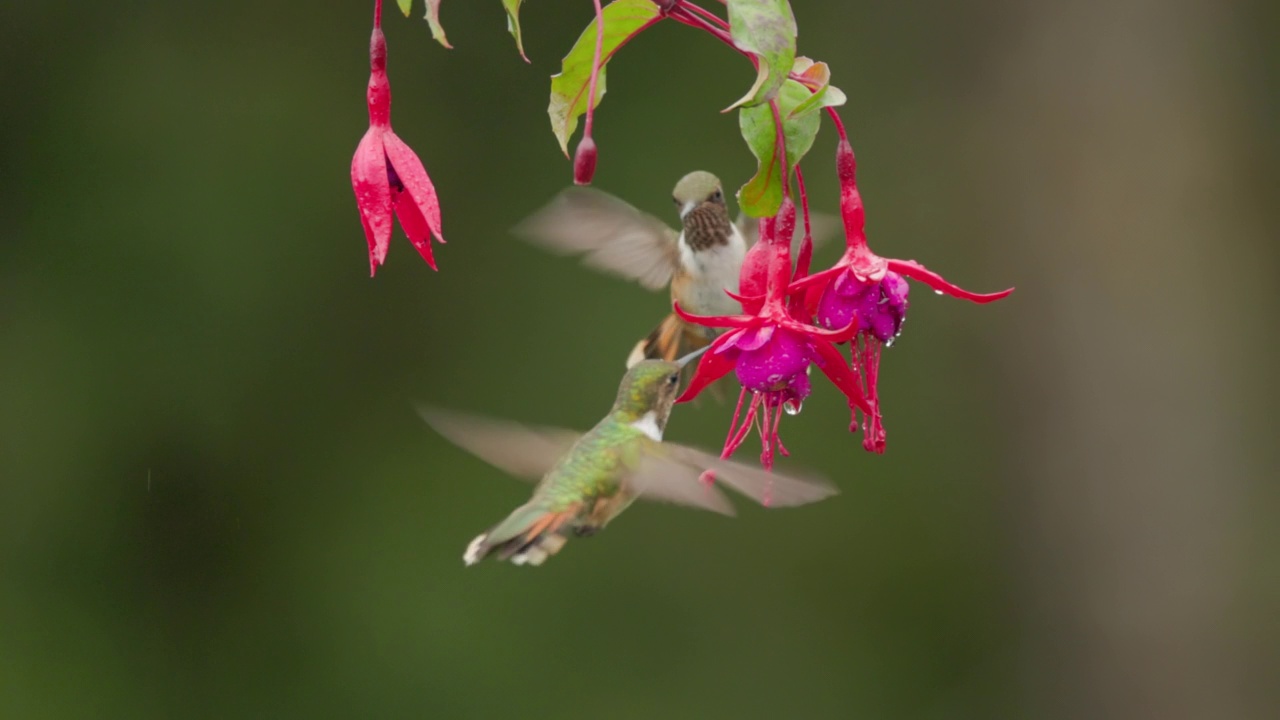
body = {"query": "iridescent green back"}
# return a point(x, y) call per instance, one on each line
point(600, 462)
point(596, 466)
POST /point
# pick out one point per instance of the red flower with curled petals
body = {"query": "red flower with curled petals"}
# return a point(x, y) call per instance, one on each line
point(771, 351)
point(387, 175)
point(869, 291)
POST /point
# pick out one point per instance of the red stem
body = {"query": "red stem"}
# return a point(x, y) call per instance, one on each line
point(804, 205)
point(733, 426)
point(377, 13)
point(722, 23)
point(595, 69)
point(781, 142)
point(835, 118)
point(681, 15)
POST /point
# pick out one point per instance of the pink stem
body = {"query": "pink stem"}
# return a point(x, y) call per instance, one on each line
point(737, 411)
point(595, 69)
point(766, 439)
point(705, 13)
point(377, 13)
point(679, 14)
point(777, 437)
point(747, 423)
point(835, 118)
point(781, 142)
point(806, 245)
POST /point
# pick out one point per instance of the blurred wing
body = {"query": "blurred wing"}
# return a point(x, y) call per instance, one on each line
point(524, 451)
point(767, 488)
point(665, 479)
point(823, 226)
point(610, 234)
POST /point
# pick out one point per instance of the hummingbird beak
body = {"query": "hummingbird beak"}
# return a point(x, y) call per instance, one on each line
point(692, 356)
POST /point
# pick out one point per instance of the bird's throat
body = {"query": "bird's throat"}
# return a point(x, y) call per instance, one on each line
point(707, 226)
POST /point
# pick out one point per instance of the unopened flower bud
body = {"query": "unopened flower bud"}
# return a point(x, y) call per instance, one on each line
point(584, 161)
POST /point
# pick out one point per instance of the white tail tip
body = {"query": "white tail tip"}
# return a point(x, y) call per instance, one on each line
point(475, 551)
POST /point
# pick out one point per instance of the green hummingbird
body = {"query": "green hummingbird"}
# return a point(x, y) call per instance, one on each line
point(587, 480)
point(699, 262)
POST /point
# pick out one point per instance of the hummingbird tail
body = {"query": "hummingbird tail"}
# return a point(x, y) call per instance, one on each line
point(528, 536)
point(672, 338)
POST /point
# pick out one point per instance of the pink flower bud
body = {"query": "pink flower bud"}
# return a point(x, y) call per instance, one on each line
point(584, 161)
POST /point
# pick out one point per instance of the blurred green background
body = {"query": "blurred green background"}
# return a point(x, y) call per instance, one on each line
point(216, 500)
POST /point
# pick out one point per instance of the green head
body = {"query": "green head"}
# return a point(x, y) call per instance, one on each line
point(649, 386)
point(696, 188)
point(652, 386)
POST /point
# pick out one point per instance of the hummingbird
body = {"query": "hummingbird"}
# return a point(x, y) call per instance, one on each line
point(588, 480)
point(700, 262)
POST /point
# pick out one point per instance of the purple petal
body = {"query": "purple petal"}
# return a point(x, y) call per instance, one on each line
point(754, 339)
point(774, 365)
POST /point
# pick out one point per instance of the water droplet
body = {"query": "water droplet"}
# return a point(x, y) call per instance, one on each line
point(792, 407)
point(889, 342)
point(937, 292)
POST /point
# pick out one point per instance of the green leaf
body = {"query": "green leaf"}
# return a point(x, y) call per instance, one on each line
point(817, 77)
point(623, 19)
point(766, 29)
point(762, 195)
point(513, 24)
point(433, 19)
point(406, 6)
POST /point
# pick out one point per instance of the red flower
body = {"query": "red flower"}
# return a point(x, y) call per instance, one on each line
point(387, 175)
point(870, 290)
point(771, 351)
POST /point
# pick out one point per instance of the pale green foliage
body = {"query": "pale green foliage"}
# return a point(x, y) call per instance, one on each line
point(622, 20)
point(762, 195)
point(767, 29)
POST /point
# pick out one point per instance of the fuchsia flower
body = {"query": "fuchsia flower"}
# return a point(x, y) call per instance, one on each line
point(771, 351)
point(861, 300)
point(387, 175)
point(868, 290)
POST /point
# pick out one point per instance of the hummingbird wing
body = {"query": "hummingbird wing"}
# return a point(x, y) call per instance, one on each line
point(823, 226)
point(767, 488)
point(665, 479)
point(610, 234)
point(524, 451)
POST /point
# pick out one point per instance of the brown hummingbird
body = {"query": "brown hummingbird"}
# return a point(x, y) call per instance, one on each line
point(699, 263)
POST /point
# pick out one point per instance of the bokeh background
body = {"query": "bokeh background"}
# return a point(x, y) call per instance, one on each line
point(217, 502)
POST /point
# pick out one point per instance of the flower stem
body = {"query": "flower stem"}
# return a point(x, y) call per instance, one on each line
point(781, 149)
point(804, 203)
point(806, 245)
point(377, 13)
point(682, 15)
point(835, 118)
point(595, 69)
point(705, 13)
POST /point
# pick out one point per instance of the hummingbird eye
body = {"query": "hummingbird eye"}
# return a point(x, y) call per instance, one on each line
point(672, 380)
